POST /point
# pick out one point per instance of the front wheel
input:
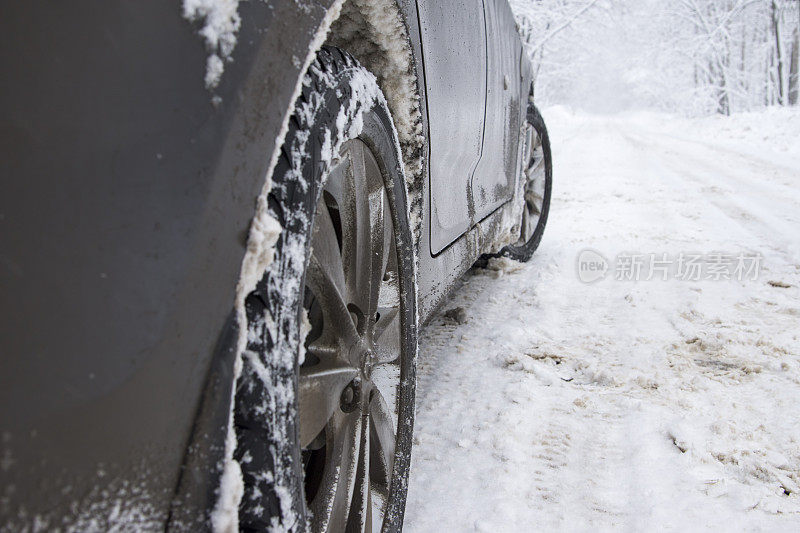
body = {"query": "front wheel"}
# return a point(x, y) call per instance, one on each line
point(538, 184)
point(324, 405)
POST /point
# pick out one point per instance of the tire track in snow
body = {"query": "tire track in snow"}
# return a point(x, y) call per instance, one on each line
point(765, 182)
point(767, 213)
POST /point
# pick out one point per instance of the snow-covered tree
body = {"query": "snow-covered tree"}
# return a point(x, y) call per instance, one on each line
point(695, 56)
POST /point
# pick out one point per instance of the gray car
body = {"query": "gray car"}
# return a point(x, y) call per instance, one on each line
point(221, 225)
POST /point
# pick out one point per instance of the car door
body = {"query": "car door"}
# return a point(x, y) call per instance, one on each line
point(453, 34)
point(495, 175)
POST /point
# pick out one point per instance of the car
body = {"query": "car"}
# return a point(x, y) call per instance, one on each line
point(223, 224)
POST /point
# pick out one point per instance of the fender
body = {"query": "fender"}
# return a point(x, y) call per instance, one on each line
point(197, 491)
point(127, 194)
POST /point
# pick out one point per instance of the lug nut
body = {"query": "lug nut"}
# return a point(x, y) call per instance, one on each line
point(348, 402)
point(348, 395)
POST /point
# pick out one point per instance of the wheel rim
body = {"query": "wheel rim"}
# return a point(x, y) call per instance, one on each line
point(348, 382)
point(533, 194)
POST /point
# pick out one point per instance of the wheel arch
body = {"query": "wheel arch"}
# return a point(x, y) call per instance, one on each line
point(376, 33)
point(264, 107)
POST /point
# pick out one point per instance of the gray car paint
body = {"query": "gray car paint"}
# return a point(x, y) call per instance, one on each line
point(494, 178)
point(454, 54)
point(124, 201)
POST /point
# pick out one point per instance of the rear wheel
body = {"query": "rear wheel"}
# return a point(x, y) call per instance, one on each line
point(337, 457)
point(537, 189)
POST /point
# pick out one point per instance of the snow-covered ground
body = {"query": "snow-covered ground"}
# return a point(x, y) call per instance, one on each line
point(621, 404)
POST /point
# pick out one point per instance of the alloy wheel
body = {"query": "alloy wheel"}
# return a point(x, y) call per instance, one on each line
point(348, 380)
point(535, 182)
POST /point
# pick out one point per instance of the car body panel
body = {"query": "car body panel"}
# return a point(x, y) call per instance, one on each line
point(494, 178)
point(454, 55)
point(439, 271)
point(125, 200)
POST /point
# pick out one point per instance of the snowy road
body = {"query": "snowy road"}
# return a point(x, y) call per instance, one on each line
point(626, 404)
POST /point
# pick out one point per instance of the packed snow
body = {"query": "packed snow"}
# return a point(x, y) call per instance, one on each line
point(220, 24)
point(551, 403)
point(373, 31)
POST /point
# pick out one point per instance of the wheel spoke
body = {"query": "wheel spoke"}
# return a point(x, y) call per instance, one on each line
point(321, 387)
point(325, 246)
point(536, 141)
point(523, 235)
point(386, 339)
point(334, 183)
point(331, 508)
point(355, 225)
point(338, 323)
point(533, 201)
point(363, 225)
point(535, 167)
point(388, 235)
point(359, 517)
point(378, 250)
point(382, 436)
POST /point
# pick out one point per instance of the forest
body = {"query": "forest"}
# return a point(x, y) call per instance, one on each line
point(694, 57)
